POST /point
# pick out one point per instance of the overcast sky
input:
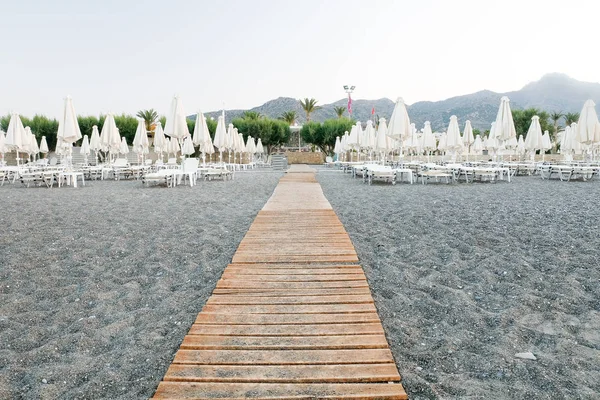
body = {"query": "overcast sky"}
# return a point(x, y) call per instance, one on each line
point(123, 56)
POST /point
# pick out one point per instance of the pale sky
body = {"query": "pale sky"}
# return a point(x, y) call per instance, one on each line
point(123, 56)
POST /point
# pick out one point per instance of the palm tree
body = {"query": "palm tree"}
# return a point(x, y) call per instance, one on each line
point(339, 111)
point(149, 116)
point(289, 117)
point(555, 116)
point(309, 105)
point(253, 115)
point(571, 117)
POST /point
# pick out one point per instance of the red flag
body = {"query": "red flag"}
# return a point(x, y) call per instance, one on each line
point(373, 111)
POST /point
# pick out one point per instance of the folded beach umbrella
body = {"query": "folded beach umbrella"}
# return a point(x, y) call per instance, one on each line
point(337, 148)
point(188, 147)
point(15, 135)
point(220, 141)
point(176, 125)
point(588, 127)
point(521, 145)
point(399, 126)
point(174, 146)
point(160, 143)
point(442, 143)
point(95, 144)
point(533, 140)
point(250, 147)
point(110, 139)
point(259, 147)
point(453, 140)
point(124, 148)
point(353, 138)
point(202, 135)
point(428, 139)
point(140, 140)
point(85, 148)
point(369, 141)
point(28, 141)
point(505, 126)
point(2, 143)
point(68, 127)
point(381, 143)
point(477, 147)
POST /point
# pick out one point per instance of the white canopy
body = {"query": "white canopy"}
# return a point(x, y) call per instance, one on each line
point(250, 147)
point(140, 140)
point(15, 134)
point(259, 147)
point(160, 143)
point(110, 138)
point(427, 139)
point(95, 144)
point(453, 139)
point(85, 146)
point(188, 146)
point(220, 141)
point(442, 142)
point(467, 137)
point(68, 127)
point(28, 140)
point(381, 143)
point(533, 140)
point(399, 126)
point(477, 146)
point(337, 148)
point(44, 146)
point(505, 126)
point(521, 145)
point(369, 141)
point(202, 135)
point(588, 127)
point(124, 149)
point(546, 142)
point(176, 125)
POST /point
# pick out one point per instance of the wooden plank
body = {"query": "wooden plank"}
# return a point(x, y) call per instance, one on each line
point(346, 299)
point(283, 357)
point(292, 266)
point(300, 278)
point(292, 292)
point(264, 391)
point(290, 309)
point(288, 330)
point(213, 342)
point(284, 319)
point(239, 283)
point(293, 271)
point(296, 258)
point(289, 374)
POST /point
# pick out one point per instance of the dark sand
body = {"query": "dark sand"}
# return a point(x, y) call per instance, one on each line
point(465, 276)
point(98, 285)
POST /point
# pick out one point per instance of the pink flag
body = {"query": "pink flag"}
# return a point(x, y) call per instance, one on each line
point(373, 111)
point(349, 105)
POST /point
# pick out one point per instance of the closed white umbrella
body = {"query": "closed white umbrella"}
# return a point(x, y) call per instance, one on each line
point(250, 147)
point(369, 141)
point(477, 147)
point(188, 146)
point(344, 142)
point(220, 141)
point(428, 139)
point(15, 135)
point(160, 143)
point(28, 139)
point(381, 143)
point(546, 142)
point(521, 146)
point(95, 144)
point(140, 140)
point(533, 140)
point(588, 127)
point(176, 125)
point(2, 144)
point(492, 143)
point(399, 126)
point(202, 136)
point(110, 139)
point(442, 143)
point(337, 148)
point(44, 146)
point(68, 127)
point(260, 150)
point(468, 137)
point(124, 148)
point(454, 142)
point(174, 146)
point(505, 126)
point(85, 148)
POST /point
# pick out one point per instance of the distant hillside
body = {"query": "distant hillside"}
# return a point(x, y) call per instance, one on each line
point(553, 92)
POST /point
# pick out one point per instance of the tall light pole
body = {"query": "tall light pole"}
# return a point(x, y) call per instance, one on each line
point(349, 90)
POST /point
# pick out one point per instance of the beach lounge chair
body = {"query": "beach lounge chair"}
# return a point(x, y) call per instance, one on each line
point(121, 168)
point(166, 176)
point(217, 173)
point(436, 175)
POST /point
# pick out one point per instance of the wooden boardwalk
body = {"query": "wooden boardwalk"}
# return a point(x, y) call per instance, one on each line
point(292, 316)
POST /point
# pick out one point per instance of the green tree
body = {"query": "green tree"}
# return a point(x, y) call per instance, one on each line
point(571, 117)
point(289, 117)
point(522, 120)
point(251, 115)
point(149, 116)
point(309, 106)
point(323, 135)
point(339, 111)
point(272, 132)
point(127, 125)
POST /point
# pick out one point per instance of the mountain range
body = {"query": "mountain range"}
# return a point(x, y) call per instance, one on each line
point(553, 92)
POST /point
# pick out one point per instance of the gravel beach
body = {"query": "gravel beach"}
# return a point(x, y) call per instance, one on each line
point(465, 276)
point(100, 284)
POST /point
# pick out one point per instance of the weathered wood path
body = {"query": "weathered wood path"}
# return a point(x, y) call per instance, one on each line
point(292, 316)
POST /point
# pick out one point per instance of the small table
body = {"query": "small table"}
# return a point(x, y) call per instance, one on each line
point(70, 176)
